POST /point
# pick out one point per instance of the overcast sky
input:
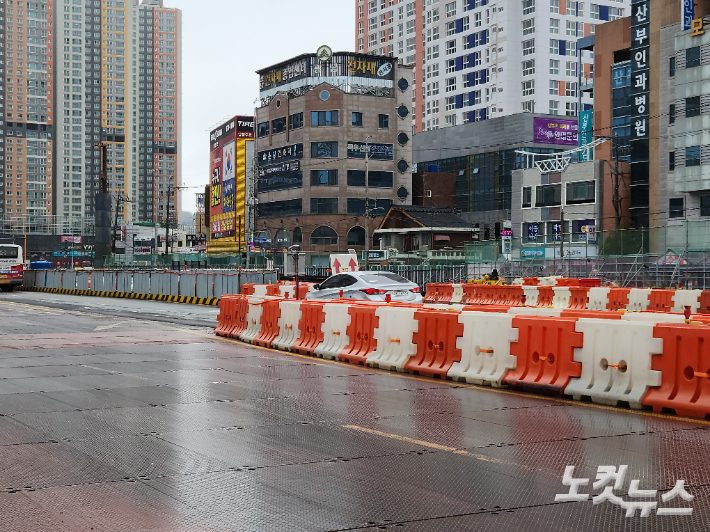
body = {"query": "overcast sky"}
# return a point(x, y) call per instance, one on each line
point(224, 42)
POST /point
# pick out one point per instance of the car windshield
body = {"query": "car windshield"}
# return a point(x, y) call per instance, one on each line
point(385, 278)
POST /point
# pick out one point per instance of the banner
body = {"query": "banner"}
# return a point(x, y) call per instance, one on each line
point(586, 134)
point(688, 13)
point(556, 131)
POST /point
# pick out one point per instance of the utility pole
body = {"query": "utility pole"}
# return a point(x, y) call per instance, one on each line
point(167, 219)
point(120, 199)
point(367, 203)
point(562, 239)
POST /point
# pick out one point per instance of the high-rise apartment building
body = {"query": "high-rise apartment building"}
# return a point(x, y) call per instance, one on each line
point(118, 68)
point(481, 59)
point(26, 111)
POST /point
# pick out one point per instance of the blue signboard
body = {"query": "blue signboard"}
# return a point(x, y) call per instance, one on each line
point(688, 8)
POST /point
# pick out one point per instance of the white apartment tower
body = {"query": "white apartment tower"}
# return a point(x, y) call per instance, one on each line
point(117, 82)
point(481, 59)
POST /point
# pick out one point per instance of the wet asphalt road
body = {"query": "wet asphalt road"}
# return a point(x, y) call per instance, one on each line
point(129, 415)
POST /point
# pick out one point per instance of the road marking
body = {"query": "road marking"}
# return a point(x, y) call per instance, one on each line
point(106, 327)
point(423, 443)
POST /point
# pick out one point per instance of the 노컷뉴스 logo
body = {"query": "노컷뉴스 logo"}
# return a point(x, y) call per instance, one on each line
point(609, 479)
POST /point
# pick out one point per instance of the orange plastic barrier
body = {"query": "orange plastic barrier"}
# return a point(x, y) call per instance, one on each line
point(269, 323)
point(545, 352)
point(513, 295)
point(661, 300)
point(248, 289)
point(564, 282)
point(618, 299)
point(469, 293)
point(439, 293)
point(272, 290)
point(239, 323)
point(487, 308)
point(311, 326)
point(436, 343)
point(704, 302)
point(685, 371)
point(544, 296)
point(361, 332)
point(590, 282)
point(598, 314)
point(227, 306)
point(579, 297)
point(487, 294)
point(531, 281)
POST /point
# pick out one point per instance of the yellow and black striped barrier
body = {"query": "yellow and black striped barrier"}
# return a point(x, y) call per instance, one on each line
point(210, 302)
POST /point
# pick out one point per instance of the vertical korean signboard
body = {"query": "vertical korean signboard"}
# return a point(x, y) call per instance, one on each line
point(586, 134)
point(639, 104)
point(228, 170)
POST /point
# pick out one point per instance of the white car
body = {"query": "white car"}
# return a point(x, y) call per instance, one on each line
point(368, 286)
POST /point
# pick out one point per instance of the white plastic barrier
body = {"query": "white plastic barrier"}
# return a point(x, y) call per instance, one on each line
point(561, 297)
point(253, 320)
point(653, 318)
point(683, 298)
point(260, 290)
point(458, 294)
point(598, 298)
point(485, 348)
point(638, 299)
point(288, 325)
point(444, 306)
point(531, 294)
point(535, 311)
point(335, 330)
point(394, 337)
point(616, 362)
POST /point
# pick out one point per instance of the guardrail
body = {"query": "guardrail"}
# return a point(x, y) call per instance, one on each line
point(199, 284)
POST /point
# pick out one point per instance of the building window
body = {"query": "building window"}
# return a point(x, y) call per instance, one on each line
point(450, 120)
point(262, 130)
point(324, 178)
point(528, 26)
point(432, 89)
point(466, 23)
point(671, 66)
point(280, 208)
point(324, 205)
point(554, 67)
point(384, 121)
point(554, 6)
point(529, 106)
point(377, 179)
point(675, 208)
point(451, 9)
point(548, 195)
point(377, 207)
point(555, 46)
point(450, 66)
point(450, 47)
point(529, 87)
point(324, 149)
point(450, 103)
point(527, 197)
point(571, 109)
point(671, 113)
point(528, 7)
point(476, 98)
point(555, 26)
point(324, 118)
point(692, 57)
point(554, 87)
point(692, 156)
point(356, 236)
point(581, 192)
point(571, 69)
point(594, 12)
point(324, 236)
point(450, 84)
point(570, 88)
point(432, 71)
point(528, 67)
point(295, 121)
point(705, 206)
point(554, 107)
point(278, 125)
point(357, 119)
point(692, 106)
point(671, 161)
point(451, 28)
point(432, 52)
point(529, 47)
point(571, 28)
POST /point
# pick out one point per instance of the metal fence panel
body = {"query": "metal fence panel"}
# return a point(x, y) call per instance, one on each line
point(141, 283)
point(271, 277)
point(109, 282)
point(40, 279)
point(219, 288)
point(232, 283)
point(174, 284)
point(82, 281)
point(124, 282)
point(204, 285)
point(68, 280)
point(187, 284)
point(28, 279)
point(158, 282)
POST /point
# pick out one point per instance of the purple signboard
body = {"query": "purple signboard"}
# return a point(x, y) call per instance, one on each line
point(556, 131)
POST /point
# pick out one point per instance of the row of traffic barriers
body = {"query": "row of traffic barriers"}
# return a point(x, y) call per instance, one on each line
point(205, 285)
point(641, 360)
point(571, 297)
